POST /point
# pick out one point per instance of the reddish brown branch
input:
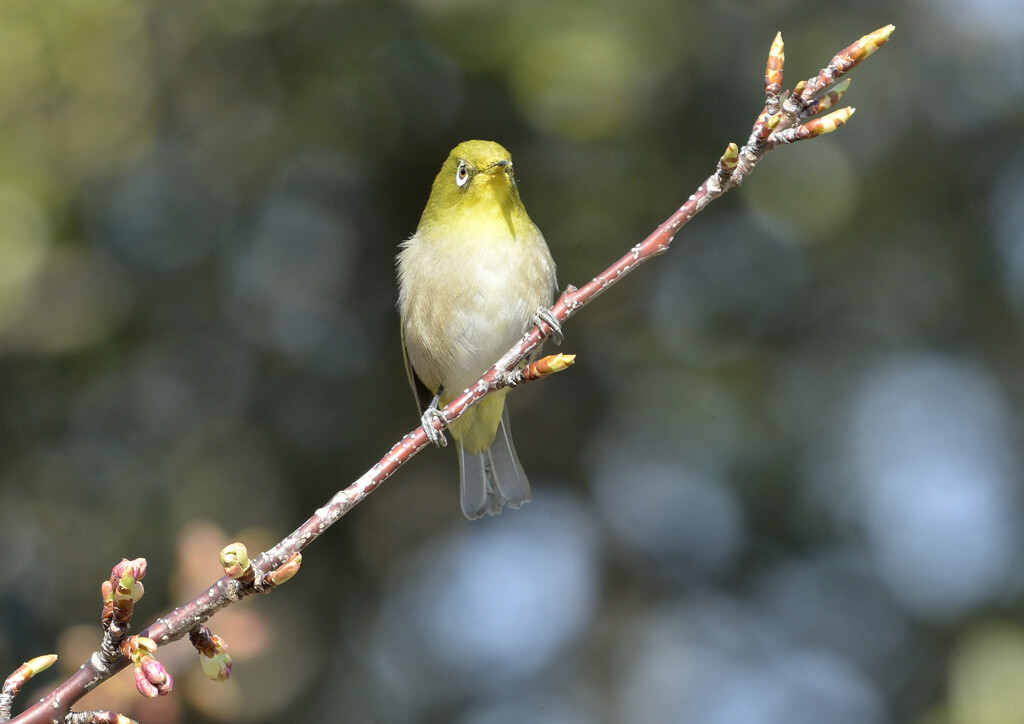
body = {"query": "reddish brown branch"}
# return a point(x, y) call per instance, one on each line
point(783, 120)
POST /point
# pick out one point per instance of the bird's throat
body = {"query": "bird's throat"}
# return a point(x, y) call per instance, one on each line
point(493, 212)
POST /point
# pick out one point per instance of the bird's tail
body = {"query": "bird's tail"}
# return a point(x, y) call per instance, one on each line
point(494, 477)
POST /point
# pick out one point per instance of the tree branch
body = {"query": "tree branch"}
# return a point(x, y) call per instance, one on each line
point(787, 117)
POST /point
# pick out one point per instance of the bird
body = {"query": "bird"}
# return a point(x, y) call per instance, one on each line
point(472, 279)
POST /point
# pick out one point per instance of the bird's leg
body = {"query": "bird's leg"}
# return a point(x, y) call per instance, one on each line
point(543, 316)
point(427, 420)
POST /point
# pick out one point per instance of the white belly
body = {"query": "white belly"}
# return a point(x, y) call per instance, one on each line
point(498, 315)
point(466, 306)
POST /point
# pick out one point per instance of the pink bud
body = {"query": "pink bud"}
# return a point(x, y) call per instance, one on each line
point(153, 670)
point(144, 685)
point(120, 568)
point(137, 566)
point(155, 673)
point(167, 685)
point(140, 565)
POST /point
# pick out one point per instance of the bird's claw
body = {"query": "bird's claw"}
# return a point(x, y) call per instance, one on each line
point(544, 316)
point(434, 435)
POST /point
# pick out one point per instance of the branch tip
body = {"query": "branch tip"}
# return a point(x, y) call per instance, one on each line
point(862, 48)
point(835, 119)
point(773, 72)
point(553, 363)
point(873, 41)
point(849, 57)
point(536, 370)
point(814, 127)
point(18, 678)
point(38, 665)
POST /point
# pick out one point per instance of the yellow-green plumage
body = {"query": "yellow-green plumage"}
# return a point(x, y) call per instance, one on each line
point(471, 280)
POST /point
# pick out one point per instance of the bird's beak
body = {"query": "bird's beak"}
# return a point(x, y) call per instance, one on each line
point(500, 166)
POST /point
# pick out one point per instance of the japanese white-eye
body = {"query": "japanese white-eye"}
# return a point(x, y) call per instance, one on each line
point(475, 276)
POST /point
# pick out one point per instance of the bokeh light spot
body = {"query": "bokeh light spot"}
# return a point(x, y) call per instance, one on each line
point(932, 458)
point(579, 84)
point(811, 190)
point(492, 605)
point(986, 671)
point(24, 244)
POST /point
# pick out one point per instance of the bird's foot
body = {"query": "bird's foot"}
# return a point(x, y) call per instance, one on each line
point(434, 435)
point(544, 316)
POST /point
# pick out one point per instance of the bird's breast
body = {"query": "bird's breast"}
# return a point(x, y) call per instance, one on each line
point(469, 302)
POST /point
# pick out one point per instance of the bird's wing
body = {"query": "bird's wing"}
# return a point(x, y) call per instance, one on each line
point(423, 395)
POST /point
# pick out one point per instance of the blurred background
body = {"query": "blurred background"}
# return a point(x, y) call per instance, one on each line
point(783, 482)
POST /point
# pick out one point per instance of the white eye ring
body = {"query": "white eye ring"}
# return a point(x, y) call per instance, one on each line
point(462, 174)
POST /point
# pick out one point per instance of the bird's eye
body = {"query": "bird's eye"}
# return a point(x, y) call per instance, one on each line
point(462, 174)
